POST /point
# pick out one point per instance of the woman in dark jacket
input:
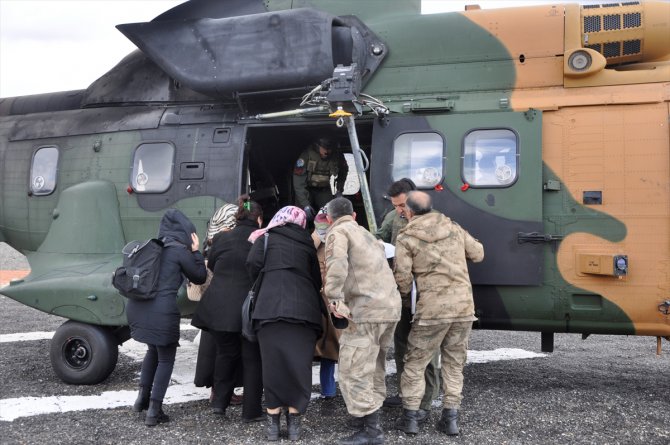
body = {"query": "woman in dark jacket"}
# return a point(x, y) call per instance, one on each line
point(219, 312)
point(156, 321)
point(287, 315)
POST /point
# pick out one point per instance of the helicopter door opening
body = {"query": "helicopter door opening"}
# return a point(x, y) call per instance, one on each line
point(271, 153)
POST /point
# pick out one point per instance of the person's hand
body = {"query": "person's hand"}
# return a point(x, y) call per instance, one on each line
point(332, 307)
point(309, 211)
point(338, 194)
point(195, 242)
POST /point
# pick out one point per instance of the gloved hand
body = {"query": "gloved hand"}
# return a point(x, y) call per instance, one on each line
point(309, 211)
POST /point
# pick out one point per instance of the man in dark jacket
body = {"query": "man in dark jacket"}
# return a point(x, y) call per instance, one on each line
point(156, 321)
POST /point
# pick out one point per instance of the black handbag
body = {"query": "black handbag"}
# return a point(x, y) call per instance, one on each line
point(248, 331)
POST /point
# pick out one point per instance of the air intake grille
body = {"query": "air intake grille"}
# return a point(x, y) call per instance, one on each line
point(630, 3)
point(610, 5)
point(591, 24)
point(611, 22)
point(596, 47)
point(632, 20)
point(611, 49)
point(631, 47)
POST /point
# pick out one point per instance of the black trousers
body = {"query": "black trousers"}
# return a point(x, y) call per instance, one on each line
point(226, 369)
point(252, 370)
point(157, 369)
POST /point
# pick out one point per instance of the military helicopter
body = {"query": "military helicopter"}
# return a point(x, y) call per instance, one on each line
point(543, 130)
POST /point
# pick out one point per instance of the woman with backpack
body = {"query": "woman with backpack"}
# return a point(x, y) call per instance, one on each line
point(156, 321)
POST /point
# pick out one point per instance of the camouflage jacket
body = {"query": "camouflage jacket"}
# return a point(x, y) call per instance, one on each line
point(357, 273)
point(433, 250)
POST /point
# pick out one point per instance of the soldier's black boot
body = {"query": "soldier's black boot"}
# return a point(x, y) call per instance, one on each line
point(272, 432)
point(409, 422)
point(293, 426)
point(448, 423)
point(142, 401)
point(370, 434)
point(155, 414)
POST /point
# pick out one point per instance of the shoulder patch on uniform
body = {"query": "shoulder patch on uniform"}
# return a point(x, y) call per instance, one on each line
point(299, 163)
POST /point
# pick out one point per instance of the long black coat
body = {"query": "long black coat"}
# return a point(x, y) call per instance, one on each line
point(292, 279)
point(156, 321)
point(220, 308)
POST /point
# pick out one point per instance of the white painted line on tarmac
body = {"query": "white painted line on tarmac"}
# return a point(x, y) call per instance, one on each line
point(30, 336)
point(181, 388)
point(25, 336)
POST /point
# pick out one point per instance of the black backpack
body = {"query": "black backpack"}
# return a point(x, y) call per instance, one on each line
point(137, 279)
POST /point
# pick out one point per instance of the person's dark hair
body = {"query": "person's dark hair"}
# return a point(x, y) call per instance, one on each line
point(419, 202)
point(339, 207)
point(248, 209)
point(404, 185)
point(325, 143)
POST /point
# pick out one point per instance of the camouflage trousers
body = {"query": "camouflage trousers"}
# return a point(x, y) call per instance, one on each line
point(451, 339)
point(362, 366)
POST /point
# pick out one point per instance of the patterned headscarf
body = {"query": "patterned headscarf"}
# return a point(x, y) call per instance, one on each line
point(224, 218)
point(288, 214)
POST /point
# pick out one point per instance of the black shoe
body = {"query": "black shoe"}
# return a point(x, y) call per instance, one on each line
point(370, 434)
point(392, 402)
point(448, 423)
point(293, 426)
point(272, 432)
point(219, 411)
point(142, 401)
point(254, 419)
point(155, 414)
point(409, 422)
point(355, 423)
point(422, 415)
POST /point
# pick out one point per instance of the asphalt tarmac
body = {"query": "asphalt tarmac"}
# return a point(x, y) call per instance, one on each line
point(602, 390)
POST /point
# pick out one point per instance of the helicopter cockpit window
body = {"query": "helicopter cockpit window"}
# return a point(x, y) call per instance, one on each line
point(152, 167)
point(490, 158)
point(43, 171)
point(419, 156)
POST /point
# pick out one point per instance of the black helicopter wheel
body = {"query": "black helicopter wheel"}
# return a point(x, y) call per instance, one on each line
point(83, 354)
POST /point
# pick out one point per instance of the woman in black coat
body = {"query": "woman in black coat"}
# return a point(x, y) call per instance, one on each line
point(287, 315)
point(156, 321)
point(219, 313)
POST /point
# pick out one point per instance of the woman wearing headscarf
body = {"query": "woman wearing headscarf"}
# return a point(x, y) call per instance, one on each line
point(219, 313)
point(223, 220)
point(287, 315)
point(156, 321)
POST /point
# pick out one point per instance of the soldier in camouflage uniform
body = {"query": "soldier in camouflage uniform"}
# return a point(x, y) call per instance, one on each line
point(312, 172)
point(360, 286)
point(433, 250)
point(388, 232)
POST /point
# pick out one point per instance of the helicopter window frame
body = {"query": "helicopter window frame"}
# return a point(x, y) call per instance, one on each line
point(162, 168)
point(44, 171)
point(429, 157)
point(505, 174)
